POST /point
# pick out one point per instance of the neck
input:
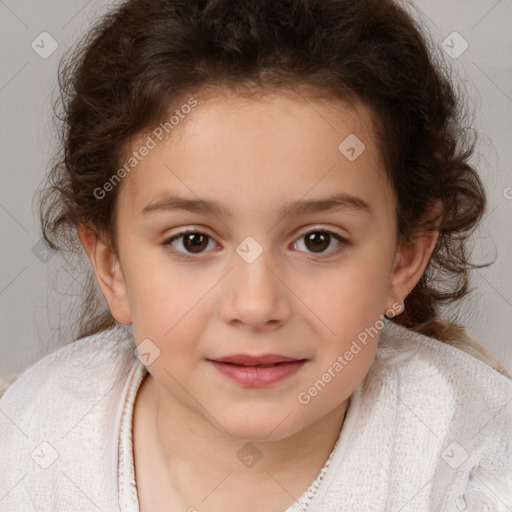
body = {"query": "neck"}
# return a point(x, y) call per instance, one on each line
point(196, 450)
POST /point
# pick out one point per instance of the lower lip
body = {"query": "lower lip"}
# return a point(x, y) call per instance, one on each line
point(258, 376)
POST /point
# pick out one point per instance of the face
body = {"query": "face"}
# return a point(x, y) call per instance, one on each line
point(288, 257)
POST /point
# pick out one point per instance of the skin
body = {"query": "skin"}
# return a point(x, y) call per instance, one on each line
point(252, 156)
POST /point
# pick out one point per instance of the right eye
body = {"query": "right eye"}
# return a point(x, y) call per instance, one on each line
point(191, 242)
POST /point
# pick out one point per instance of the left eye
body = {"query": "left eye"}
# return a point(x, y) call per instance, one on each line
point(318, 241)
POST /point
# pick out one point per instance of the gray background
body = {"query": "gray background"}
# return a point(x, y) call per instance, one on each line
point(37, 293)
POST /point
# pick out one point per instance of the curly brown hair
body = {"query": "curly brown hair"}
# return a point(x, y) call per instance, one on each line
point(142, 58)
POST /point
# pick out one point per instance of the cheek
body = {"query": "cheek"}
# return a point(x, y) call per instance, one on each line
point(341, 368)
point(348, 305)
point(162, 291)
point(349, 298)
point(169, 303)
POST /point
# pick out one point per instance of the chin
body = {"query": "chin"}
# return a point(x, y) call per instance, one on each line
point(260, 427)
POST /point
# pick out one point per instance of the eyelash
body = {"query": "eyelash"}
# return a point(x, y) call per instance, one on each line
point(188, 256)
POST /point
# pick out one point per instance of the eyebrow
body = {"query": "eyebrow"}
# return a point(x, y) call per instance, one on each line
point(301, 207)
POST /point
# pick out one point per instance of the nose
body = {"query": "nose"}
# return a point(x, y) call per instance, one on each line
point(255, 295)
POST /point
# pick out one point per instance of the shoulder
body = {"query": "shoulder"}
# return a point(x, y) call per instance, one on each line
point(407, 351)
point(5, 383)
point(445, 378)
point(68, 365)
point(466, 403)
point(62, 417)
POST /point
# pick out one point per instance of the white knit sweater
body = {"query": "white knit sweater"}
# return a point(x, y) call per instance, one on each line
point(429, 429)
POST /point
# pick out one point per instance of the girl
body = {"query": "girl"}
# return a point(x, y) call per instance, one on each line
point(275, 198)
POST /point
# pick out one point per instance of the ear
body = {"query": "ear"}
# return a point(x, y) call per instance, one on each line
point(107, 269)
point(412, 258)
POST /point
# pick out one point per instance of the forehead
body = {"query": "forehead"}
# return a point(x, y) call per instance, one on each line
point(268, 149)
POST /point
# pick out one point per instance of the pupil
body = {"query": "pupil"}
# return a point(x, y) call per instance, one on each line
point(199, 242)
point(319, 240)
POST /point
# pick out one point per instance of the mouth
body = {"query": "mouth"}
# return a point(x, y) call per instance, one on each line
point(257, 371)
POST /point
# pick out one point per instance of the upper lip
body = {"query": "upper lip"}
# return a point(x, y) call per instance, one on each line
point(248, 360)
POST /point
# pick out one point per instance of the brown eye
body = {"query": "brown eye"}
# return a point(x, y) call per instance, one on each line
point(195, 242)
point(192, 242)
point(317, 242)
